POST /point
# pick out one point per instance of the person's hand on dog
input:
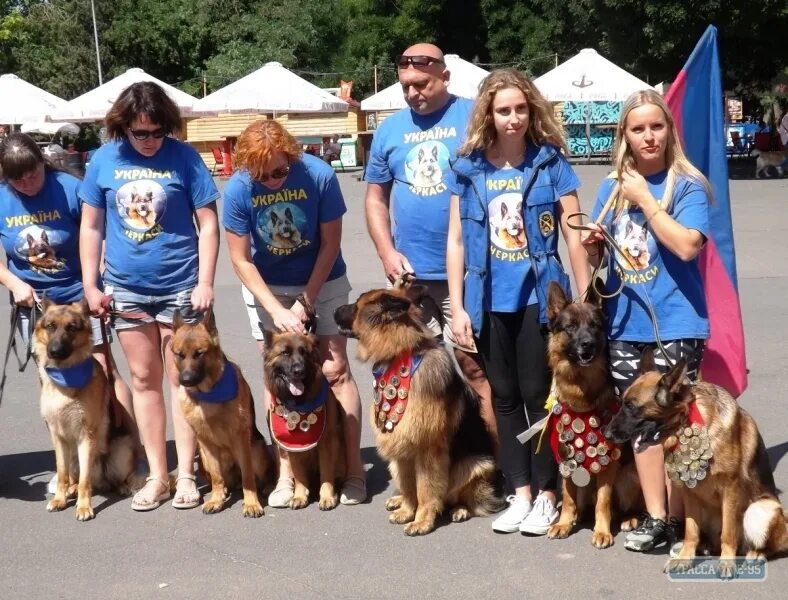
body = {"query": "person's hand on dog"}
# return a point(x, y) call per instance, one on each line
point(300, 311)
point(634, 188)
point(24, 295)
point(461, 329)
point(97, 301)
point(286, 320)
point(202, 297)
point(395, 264)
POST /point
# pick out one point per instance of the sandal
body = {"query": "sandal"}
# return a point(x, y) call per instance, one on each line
point(179, 501)
point(282, 494)
point(143, 501)
point(354, 491)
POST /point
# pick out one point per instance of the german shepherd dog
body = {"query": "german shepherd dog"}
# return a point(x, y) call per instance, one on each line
point(284, 232)
point(294, 377)
point(735, 504)
point(578, 357)
point(228, 438)
point(511, 229)
point(439, 452)
point(40, 253)
point(141, 213)
point(89, 453)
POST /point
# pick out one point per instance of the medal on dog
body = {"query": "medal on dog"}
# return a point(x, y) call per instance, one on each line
point(299, 428)
point(687, 464)
point(391, 395)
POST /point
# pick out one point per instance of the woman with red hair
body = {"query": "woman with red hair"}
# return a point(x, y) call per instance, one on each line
point(283, 218)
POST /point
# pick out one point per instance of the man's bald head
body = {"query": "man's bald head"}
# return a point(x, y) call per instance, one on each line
point(425, 86)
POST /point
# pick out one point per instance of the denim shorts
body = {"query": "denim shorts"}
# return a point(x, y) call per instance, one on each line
point(23, 327)
point(150, 308)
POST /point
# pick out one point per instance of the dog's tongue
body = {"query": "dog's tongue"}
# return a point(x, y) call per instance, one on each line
point(296, 387)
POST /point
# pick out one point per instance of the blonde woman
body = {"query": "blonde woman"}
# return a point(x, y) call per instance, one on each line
point(655, 204)
point(512, 193)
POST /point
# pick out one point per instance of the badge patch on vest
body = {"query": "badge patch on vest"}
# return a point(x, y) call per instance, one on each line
point(546, 223)
point(299, 428)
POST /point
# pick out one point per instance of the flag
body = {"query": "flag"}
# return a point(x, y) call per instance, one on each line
point(696, 102)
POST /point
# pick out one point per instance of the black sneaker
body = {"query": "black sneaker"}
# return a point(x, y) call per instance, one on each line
point(650, 534)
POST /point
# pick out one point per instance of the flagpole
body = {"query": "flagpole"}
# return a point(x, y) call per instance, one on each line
point(95, 37)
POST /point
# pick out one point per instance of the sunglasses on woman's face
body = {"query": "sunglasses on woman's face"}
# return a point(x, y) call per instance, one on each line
point(418, 60)
point(277, 173)
point(144, 134)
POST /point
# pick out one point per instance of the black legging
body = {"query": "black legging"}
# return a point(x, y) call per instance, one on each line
point(513, 347)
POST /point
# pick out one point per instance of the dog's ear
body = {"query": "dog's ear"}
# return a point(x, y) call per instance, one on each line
point(556, 300)
point(592, 294)
point(268, 336)
point(177, 320)
point(44, 237)
point(670, 384)
point(274, 217)
point(46, 303)
point(84, 306)
point(630, 226)
point(504, 210)
point(289, 214)
point(394, 304)
point(647, 361)
point(416, 293)
point(209, 321)
point(30, 240)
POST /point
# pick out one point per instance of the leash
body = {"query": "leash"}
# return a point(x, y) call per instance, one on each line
point(115, 407)
point(597, 280)
point(11, 345)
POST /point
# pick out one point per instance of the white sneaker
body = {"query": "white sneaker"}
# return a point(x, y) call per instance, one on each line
point(52, 485)
point(540, 518)
point(510, 520)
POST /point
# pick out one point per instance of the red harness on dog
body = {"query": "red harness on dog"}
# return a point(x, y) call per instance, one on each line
point(299, 428)
point(392, 389)
point(578, 443)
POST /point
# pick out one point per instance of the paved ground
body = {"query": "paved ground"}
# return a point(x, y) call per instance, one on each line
point(353, 552)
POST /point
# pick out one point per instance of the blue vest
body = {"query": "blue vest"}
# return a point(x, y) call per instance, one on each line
point(540, 208)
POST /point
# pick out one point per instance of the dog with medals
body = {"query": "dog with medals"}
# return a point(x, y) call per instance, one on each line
point(716, 459)
point(218, 404)
point(595, 470)
point(426, 418)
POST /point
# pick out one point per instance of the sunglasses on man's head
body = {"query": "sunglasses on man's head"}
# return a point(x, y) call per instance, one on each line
point(144, 134)
point(277, 173)
point(417, 60)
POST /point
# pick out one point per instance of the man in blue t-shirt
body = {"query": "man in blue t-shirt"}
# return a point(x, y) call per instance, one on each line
point(409, 163)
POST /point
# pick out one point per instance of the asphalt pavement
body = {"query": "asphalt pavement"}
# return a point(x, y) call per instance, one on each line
point(353, 552)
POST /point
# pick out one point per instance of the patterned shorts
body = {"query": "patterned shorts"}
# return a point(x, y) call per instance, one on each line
point(625, 358)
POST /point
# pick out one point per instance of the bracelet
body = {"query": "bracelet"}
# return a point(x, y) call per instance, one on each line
point(655, 213)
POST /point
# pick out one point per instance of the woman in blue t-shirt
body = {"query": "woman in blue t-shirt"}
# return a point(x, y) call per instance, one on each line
point(143, 192)
point(283, 222)
point(513, 188)
point(39, 230)
point(655, 204)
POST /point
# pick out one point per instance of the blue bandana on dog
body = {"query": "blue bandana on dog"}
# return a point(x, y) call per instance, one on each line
point(226, 387)
point(77, 376)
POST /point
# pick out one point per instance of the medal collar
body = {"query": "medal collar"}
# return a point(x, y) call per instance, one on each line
point(392, 388)
point(76, 377)
point(225, 389)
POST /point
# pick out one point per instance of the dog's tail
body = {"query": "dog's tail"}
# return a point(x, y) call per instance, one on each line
point(766, 526)
point(475, 485)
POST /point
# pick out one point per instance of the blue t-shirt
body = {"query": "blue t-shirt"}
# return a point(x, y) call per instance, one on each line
point(149, 202)
point(40, 236)
point(285, 223)
point(413, 151)
point(674, 286)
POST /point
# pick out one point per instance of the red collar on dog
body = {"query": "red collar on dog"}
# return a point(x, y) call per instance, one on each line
point(299, 430)
point(392, 389)
point(578, 443)
point(693, 418)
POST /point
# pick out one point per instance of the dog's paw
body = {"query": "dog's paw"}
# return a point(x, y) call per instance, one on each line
point(629, 524)
point(560, 531)
point(394, 502)
point(419, 527)
point(328, 502)
point(755, 556)
point(212, 506)
point(459, 514)
point(253, 510)
point(727, 568)
point(402, 515)
point(298, 502)
point(56, 504)
point(85, 513)
point(680, 564)
point(602, 539)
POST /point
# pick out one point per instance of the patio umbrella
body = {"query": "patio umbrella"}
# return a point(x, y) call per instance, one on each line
point(21, 101)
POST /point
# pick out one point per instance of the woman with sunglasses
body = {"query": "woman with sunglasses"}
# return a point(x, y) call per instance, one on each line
point(143, 193)
point(283, 222)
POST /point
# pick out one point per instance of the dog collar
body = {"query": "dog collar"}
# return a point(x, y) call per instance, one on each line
point(689, 460)
point(392, 387)
point(225, 389)
point(299, 428)
point(579, 446)
point(76, 377)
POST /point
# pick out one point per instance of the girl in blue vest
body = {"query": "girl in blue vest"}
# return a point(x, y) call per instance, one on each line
point(512, 192)
point(39, 229)
point(151, 197)
point(655, 204)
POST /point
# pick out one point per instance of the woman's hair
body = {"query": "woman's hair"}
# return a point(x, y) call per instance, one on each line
point(257, 144)
point(20, 155)
point(676, 162)
point(144, 97)
point(543, 127)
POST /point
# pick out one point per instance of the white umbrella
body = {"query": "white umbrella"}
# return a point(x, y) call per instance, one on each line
point(93, 105)
point(271, 88)
point(588, 77)
point(21, 101)
point(464, 81)
point(50, 128)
